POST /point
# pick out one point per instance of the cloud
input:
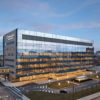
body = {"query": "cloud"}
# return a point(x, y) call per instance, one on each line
point(67, 27)
point(43, 27)
point(75, 10)
point(25, 5)
point(42, 8)
point(2, 33)
point(46, 27)
point(79, 26)
point(97, 47)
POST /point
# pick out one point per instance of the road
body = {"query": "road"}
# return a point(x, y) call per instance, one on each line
point(4, 94)
point(14, 93)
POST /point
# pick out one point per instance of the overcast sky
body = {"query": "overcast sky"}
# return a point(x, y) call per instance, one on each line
point(76, 18)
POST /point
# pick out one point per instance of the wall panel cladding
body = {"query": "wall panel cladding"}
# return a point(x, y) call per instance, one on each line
point(38, 38)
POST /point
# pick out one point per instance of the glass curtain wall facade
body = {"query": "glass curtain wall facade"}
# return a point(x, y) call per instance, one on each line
point(1, 51)
point(40, 53)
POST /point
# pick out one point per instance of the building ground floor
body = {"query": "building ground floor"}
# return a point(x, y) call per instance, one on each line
point(51, 77)
point(6, 75)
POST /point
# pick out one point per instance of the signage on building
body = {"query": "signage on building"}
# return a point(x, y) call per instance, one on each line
point(10, 37)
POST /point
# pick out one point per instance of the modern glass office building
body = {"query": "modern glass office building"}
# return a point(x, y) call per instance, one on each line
point(29, 54)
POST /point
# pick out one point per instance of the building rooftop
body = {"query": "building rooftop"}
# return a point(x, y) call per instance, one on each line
point(50, 35)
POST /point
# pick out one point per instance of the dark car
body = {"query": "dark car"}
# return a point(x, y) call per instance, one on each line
point(99, 82)
point(63, 91)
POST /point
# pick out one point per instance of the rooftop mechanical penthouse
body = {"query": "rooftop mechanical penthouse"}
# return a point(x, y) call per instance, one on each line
point(30, 54)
